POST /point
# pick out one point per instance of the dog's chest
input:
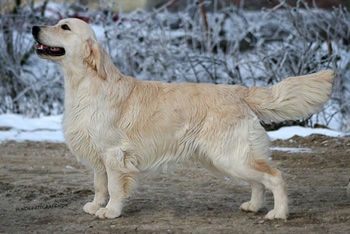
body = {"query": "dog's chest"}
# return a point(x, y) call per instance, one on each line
point(88, 132)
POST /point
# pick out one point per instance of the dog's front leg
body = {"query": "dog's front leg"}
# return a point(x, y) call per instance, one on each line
point(101, 193)
point(121, 173)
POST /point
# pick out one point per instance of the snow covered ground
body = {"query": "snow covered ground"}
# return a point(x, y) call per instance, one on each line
point(49, 128)
point(20, 128)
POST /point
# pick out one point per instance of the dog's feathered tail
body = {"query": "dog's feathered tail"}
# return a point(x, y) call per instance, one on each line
point(293, 98)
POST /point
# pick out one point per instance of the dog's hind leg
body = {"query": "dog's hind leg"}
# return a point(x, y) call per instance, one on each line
point(257, 198)
point(276, 184)
point(272, 179)
point(101, 192)
point(260, 175)
point(256, 171)
point(122, 173)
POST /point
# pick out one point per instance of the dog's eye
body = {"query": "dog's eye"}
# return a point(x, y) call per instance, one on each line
point(65, 27)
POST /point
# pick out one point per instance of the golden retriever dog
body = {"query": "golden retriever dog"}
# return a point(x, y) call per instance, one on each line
point(120, 126)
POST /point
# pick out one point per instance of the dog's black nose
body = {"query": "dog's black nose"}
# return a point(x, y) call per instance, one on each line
point(35, 30)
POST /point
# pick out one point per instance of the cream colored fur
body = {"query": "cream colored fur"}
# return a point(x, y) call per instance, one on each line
point(120, 126)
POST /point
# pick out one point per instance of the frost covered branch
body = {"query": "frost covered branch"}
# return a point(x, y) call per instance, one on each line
point(236, 47)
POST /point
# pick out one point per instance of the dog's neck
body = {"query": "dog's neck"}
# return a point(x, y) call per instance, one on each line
point(89, 84)
point(81, 71)
point(72, 74)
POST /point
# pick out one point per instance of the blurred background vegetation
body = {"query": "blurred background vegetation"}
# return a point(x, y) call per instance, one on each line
point(131, 5)
point(246, 42)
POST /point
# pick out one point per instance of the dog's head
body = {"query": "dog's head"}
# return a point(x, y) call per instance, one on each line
point(69, 42)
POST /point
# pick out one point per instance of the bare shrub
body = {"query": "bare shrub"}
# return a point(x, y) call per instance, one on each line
point(232, 47)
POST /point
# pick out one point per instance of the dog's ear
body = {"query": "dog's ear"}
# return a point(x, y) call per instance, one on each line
point(95, 56)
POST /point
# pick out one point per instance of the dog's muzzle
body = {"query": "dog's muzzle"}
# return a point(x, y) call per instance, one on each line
point(45, 50)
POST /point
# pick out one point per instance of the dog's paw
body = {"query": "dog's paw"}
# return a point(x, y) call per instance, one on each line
point(277, 214)
point(91, 208)
point(105, 213)
point(249, 207)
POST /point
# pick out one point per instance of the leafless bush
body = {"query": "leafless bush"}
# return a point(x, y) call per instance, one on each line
point(247, 48)
point(24, 87)
point(236, 47)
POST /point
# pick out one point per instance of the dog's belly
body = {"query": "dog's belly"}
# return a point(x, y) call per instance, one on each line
point(161, 157)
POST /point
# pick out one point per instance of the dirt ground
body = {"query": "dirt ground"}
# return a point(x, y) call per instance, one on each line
point(43, 190)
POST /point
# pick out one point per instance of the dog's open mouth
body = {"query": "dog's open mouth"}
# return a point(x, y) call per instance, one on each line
point(47, 50)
